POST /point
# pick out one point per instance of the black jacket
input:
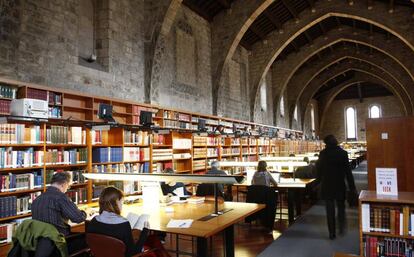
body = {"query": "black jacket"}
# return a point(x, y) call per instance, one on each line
point(333, 168)
point(265, 195)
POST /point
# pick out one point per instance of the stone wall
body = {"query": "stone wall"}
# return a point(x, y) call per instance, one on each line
point(266, 115)
point(234, 94)
point(183, 79)
point(335, 116)
point(282, 120)
point(40, 43)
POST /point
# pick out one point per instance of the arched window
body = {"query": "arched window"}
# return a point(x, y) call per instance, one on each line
point(282, 106)
point(374, 111)
point(263, 96)
point(312, 113)
point(350, 123)
point(86, 29)
point(295, 113)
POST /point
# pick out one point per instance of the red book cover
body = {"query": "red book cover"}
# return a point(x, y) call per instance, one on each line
point(397, 222)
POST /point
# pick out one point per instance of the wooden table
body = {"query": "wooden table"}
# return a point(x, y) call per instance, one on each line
point(200, 229)
point(293, 188)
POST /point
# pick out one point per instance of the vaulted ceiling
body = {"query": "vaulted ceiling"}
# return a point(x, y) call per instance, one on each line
point(367, 38)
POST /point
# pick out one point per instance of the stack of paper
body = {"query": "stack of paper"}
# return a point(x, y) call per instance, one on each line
point(179, 223)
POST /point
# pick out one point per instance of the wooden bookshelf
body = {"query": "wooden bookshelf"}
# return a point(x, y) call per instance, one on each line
point(384, 220)
point(77, 110)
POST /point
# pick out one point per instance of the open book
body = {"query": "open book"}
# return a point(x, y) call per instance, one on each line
point(137, 221)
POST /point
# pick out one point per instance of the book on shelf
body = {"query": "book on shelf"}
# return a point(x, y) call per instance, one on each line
point(68, 156)
point(78, 195)
point(387, 247)
point(393, 220)
point(14, 182)
point(10, 158)
point(159, 167)
point(212, 152)
point(13, 205)
point(213, 141)
point(182, 143)
point(178, 124)
point(5, 106)
point(55, 98)
point(8, 91)
point(65, 135)
point(136, 154)
point(199, 164)
point(121, 168)
point(107, 154)
point(37, 94)
point(54, 112)
point(76, 175)
point(128, 187)
point(97, 190)
point(20, 134)
point(181, 156)
point(7, 230)
point(162, 154)
point(200, 152)
point(136, 137)
point(158, 139)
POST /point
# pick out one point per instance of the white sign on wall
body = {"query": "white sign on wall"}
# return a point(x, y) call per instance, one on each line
point(386, 181)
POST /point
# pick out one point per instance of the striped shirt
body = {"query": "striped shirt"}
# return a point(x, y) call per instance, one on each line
point(56, 208)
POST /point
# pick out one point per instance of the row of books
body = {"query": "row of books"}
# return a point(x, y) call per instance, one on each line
point(13, 205)
point(382, 219)
point(54, 112)
point(179, 124)
point(7, 91)
point(7, 230)
point(263, 141)
point(77, 175)
point(78, 195)
point(159, 167)
point(107, 154)
point(136, 137)
point(213, 140)
point(212, 152)
point(37, 94)
point(200, 152)
point(136, 154)
point(227, 151)
point(387, 247)
point(69, 156)
point(20, 134)
point(177, 116)
point(121, 168)
point(199, 164)
point(4, 106)
point(14, 182)
point(158, 139)
point(10, 158)
point(55, 98)
point(65, 135)
point(262, 149)
point(162, 154)
point(199, 141)
point(182, 143)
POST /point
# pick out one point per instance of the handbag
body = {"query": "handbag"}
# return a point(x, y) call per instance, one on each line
point(352, 198)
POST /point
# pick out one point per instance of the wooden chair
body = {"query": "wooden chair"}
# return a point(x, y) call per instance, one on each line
point(106, 246)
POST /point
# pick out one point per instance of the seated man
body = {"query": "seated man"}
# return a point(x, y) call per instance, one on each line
point(215, 170)
point(56, 208)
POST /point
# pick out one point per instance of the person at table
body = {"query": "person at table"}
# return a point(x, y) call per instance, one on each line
point(215, 170)
point(56, 208)
point(262, 176)
point(109, 222)
point(333, 169)
point(172, 187)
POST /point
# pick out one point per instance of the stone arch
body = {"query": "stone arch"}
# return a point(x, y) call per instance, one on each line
point(264, 53)
point(305, 76)
point(282, 71)
point(329, 98)
point(225, 39)
point(361, 67)
point(161, 16)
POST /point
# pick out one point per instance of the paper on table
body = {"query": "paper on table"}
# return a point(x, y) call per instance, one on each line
point(179, 223)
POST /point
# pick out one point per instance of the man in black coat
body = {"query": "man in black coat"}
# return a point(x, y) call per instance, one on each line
point(333, 168)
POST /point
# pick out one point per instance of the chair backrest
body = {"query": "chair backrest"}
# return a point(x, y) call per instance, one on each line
point(105, 246)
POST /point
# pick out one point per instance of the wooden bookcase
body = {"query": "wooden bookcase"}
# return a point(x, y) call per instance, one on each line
point(385, 224)
point(140, 150)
